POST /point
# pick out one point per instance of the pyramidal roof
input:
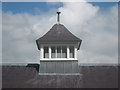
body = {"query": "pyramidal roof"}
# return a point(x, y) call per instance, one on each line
point(58, 33)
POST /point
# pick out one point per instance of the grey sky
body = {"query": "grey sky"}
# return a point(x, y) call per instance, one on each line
point(97, 29)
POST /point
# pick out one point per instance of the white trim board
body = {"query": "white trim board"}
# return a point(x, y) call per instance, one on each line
point(59, 59)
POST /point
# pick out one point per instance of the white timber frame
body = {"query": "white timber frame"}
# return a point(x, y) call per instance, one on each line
point(56, 58)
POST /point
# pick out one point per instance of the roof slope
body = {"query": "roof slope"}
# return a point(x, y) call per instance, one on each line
point(28, 77)
point(58, 33)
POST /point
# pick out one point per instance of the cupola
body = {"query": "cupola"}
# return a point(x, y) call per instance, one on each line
point(58, 47)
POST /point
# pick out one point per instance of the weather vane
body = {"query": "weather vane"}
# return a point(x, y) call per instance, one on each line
point(58, 18)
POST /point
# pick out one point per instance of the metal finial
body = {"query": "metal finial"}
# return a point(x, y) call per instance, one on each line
point(58, 18)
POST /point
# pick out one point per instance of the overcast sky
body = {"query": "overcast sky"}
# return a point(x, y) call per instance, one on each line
point(95, 23)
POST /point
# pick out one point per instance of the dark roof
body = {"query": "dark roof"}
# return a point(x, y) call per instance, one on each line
point(28, 77)
point(58, 33)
